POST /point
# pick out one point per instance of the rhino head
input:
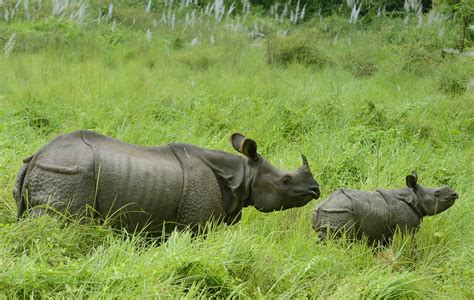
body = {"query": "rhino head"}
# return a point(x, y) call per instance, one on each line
point(431, 201)
point(271, 188)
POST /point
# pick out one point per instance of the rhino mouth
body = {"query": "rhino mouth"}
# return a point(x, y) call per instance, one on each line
point(303, 199)
point(451, 199)
point(313, 193)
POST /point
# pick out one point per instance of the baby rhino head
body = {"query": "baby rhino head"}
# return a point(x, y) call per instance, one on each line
point(271, 188)
point(432, 201)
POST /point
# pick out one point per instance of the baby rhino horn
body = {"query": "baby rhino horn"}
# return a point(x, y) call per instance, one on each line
point(305, 161)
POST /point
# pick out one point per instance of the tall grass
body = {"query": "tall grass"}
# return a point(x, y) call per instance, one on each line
point(365, 118)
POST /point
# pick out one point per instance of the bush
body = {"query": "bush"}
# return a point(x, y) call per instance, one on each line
point(360, 64)
point(301, 47)
point(419, 60)
point(454, 76)
point(48, 33)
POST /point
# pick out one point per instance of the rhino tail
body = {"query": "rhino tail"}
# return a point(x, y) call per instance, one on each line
point(18, 188)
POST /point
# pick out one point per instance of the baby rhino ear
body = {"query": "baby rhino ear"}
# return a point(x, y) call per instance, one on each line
point(246, 146)
point(412, 180)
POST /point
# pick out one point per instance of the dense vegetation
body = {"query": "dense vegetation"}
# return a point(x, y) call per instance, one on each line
point(366, 102)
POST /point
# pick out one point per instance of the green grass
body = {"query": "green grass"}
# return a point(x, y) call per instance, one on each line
point(371, 114)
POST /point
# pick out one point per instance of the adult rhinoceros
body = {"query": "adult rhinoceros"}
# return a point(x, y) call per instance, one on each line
point(145, 187)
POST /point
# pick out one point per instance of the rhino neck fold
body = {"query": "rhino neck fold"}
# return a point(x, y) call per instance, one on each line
point(249, 177)
point(230, 171)
point(408, 196)
point(418, 207)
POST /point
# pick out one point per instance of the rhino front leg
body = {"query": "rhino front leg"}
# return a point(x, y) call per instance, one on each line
point(201, 199)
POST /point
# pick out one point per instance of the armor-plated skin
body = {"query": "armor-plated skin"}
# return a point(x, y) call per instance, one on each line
point(142, 188)
point(378, 214)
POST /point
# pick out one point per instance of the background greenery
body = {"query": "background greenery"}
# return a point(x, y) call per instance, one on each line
point(367, 103)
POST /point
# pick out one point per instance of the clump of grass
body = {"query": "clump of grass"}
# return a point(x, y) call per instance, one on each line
point(374, 116)
point(36, 117)
point(404, 285)
point(360, 64)
point(419, 60)
point(301, 47)
point(198, 58)
point(53, 241)
point(211, 279)
point(177, 43)
point(292, 122)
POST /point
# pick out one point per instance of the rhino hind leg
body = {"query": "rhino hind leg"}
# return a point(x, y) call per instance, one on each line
point(334, 224)
point(62, 192)
point(40, 211)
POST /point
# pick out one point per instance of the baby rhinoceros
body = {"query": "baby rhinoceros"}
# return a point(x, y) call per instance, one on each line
point(378, 214)
point(177, 185)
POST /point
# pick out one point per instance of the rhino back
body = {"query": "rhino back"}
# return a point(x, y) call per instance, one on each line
point(139, 186)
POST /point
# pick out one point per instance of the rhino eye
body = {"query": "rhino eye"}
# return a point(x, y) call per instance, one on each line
point(286, 180)
point(437, 193)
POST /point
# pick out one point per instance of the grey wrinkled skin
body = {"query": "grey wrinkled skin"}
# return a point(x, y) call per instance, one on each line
point(85, 173)
point(378, 214)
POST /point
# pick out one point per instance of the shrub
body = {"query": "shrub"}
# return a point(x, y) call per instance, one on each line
point(418, 59)
point(301, 47)
point(360, 64)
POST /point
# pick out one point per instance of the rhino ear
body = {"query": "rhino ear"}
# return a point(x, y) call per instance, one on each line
point(415, 175)
point(246, 146)
point(412, 181)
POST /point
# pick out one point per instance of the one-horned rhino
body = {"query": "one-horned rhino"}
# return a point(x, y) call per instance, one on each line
point(179, 185)
point(378, 214)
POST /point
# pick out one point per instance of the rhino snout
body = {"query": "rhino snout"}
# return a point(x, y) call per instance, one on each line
point(452, 197)
point(315, 192)
point(448, 195)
